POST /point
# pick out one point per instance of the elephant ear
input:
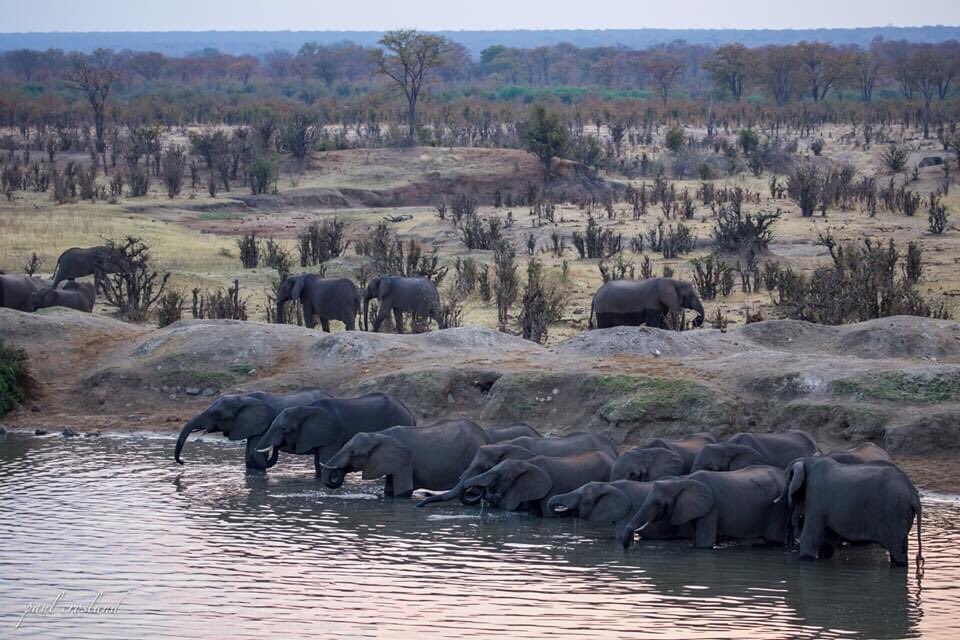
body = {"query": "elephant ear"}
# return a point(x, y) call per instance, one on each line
point(532, 484)
point(744, 457)
point(298, 283)
point(797, 476)
point(694, 501)
point(666, 463)
point(251, 421)
point(388, 457)
point(318, 429)
point(613, 505)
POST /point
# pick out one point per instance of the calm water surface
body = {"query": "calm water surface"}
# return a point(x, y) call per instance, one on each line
point(208, 551)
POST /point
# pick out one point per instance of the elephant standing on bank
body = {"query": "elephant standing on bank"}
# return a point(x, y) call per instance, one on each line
point(16, 291)
point(411, 458)
point(529, 484)
point(418, 296)
point(746, 449)
point(74, 295)
point(740, 504)
point(869, 502)
point(611, 503)
point(522, 448)
point(658, 458)
point(324, 298)
point(636, 302)
point(79, 262)
point(324, 426)
point(246, 416)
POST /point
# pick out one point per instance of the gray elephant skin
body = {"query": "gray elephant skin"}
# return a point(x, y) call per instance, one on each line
point(658, 458)
point(411, 458)
point(742, 504)
point(16, 291)
point(509, 432)
point(529, 484)
point(866, 502)
point(522, 448)
point(323, 427)
point(636, 302)
point(611, 503)
point(418, 296)
point(246, 416)
point(73, 295)
point(860, 454)
point(747, 449)
point(324, 298)
point(79, 262)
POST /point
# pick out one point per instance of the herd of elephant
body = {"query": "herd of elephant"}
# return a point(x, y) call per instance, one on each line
point(619, 302)
point(774, 487)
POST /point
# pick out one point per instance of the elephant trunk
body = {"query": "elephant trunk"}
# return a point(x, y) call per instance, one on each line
point(697, 306)
point(190, 427)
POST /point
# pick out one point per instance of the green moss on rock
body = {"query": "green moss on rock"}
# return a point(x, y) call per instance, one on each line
point(13, 377)
point(902, 387)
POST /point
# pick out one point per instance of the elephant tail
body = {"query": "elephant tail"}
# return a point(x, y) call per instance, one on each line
point(592, 304)
point(918, 509)
point(56, 272)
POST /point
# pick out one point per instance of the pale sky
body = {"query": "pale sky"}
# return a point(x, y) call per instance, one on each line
point(377, 15)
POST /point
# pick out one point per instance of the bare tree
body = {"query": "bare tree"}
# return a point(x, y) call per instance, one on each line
point(408, 58)
point(95, 76)
point(664, 68)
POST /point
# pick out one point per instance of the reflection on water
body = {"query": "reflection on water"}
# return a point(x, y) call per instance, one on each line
point(206, 550)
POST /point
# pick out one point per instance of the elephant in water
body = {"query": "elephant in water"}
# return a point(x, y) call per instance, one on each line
point(636, 302)
point(324, 426)
point(746, 449)
point(611, 503)
point(246, 416)
point(530, 484)
point(16, 291)
point(489, 456)
point(867, 502)
point(418, 296)
point(411, 458)
point(659, 458)
point(74, 295)
point(860, 454)
point(79, 262)
point(324, 298)
point(740, 504)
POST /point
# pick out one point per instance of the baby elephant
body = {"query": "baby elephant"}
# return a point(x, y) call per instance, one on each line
point(611, 503)
point(74, 295)
point(488, 456)
point(659, 458)
point(746, 449)
point(529, 484)
point(867, 502)
point(739, 504)
point(411, 458)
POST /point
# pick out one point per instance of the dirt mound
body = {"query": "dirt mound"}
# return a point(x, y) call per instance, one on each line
point(653, 343)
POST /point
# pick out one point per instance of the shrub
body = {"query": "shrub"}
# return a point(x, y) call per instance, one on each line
point(249, 250)
point(135, 286)
point(542, 304)
point(173, 165)
point(15, 382)
point(735, 232)
point(711, 276)
point(276, 257)
point(138, 181)
point(221, 304)
point(749, 141)
point(391, 256)
point(674, 140)
point(478, 234)
point(170, 308)
point(894, 158)
point(804, 187)
point(597, 242)
point(261, 172)
point(937, 216)
point(817, 146)
point(322, 241)
point(506, 285)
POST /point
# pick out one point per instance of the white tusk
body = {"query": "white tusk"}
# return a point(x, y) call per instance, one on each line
point(777, 499)
point(267, 450)
point(560, 508)
point(643, 526)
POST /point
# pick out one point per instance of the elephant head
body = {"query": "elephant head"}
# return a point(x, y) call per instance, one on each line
point(690, 300)
point(594, 501)
point(290, 289)
point(372, 291)
point(238, 417)
point(301, 429)
point(46, 297)
point(512, 483)
point(642, 465)
point(376, 455)
point(726, 457)
point(679, 500)
point(486, 458)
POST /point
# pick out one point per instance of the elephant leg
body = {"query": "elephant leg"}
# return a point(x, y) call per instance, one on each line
point(325, 325)
point(308, 320)
point(398, 320)
point(350, 322)
point(705, 531)
point(604, 321)
point(811, 539)
point(382, 314)
point(898, 552)
point(652, 318)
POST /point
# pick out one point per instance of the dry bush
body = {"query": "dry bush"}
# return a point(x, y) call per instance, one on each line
point(735, 232)
point(541, 306)
point(220, 304)
point(712, 276)
point(134, 287)
point(506, 285)
point(170, 308)
point(249, 250)
point(322, 241)
point(597, 242)
point(391, 256)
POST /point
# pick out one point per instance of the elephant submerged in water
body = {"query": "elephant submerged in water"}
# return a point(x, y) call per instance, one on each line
point(747, 449)
point(324, 298)
point(323, 427)
point(491, 455)
point(611, 503)
point(831, 501)
point(636, 302)
point(418, 296)
point(246, 416)
point(740, 504)
point(659, 458)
